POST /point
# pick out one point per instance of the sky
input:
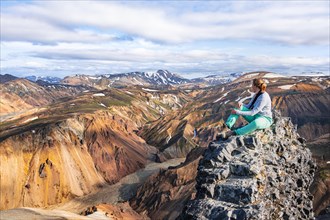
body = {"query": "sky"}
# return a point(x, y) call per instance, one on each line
point(190, 38)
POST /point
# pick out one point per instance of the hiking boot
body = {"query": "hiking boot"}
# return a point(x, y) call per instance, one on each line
point(225, 127)
point(220, 136)
point(224, 135)
point(229, 133)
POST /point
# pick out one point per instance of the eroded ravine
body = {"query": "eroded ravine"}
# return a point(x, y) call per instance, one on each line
point(110, 194)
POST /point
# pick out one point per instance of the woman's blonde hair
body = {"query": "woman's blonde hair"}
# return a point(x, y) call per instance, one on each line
point(260, 84)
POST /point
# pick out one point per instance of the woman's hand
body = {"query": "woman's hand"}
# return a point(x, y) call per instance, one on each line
point(239, 105)
point(233, 111)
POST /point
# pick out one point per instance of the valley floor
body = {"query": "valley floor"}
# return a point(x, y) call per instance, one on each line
point(122, 191)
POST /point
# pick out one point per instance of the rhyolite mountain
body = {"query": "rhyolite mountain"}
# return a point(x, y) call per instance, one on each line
point(119, 131)
point(18, 95)
point(74, 146)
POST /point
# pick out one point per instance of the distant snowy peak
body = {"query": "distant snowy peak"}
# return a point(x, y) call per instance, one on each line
point(161, 77)
point(48, 79)
point(169, 78)
point(217, 79)
point(158, 78)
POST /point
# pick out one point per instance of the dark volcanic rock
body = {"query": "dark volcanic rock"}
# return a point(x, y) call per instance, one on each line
point(265, 175)
point(6, 78)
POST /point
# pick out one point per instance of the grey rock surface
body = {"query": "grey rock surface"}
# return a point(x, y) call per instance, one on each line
point(265, 175)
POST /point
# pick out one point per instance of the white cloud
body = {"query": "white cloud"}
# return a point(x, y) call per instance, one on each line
point(40, 31)
point(72, 58)
point(34, 64)
point(63, 17)
point(197, 37)
point(59, 21)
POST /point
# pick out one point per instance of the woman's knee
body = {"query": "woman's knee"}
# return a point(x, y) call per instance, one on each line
point(261, 123)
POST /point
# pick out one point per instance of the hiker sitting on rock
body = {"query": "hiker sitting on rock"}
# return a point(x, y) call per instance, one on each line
point(258, 112)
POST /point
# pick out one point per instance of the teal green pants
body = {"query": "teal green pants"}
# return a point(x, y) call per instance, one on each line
point(255, 122)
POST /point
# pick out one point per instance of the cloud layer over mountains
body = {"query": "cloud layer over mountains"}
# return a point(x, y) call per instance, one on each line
point(187, 37)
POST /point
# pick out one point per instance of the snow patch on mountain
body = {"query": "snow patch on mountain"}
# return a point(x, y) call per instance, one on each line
point(150, 90)
point(101, 104)
point(98, 94)
point(273, 75)
point(286, 87)
point(224, 95)
point(250, 75)
point(95, 78)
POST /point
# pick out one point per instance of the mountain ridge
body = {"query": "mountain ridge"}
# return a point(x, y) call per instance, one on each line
point(103, 81)
point(165, 117)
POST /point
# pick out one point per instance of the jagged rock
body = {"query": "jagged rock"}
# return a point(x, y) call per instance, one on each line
point(49, 162)
point(159, 158)
point(89, 210)
point(325, 214)
point(267, 176)
point(42, 173)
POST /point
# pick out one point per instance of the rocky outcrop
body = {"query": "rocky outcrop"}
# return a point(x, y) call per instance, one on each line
point(120, 211)
point(265, 175)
